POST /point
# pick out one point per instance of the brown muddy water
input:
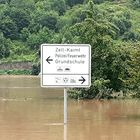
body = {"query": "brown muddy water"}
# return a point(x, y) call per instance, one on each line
point(28, 112)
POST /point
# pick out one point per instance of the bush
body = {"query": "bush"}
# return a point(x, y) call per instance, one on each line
point(99, 89)
point(35, 69)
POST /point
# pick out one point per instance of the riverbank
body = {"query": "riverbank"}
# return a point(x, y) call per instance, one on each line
point(15, 72)
point(20, 65)
point(19, 68)
point(27, 80)
point(16, 68)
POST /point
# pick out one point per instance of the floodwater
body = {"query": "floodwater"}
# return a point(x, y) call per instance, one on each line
point(28, 112)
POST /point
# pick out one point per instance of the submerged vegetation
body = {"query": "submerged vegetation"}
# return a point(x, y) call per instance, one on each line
point(111, 27)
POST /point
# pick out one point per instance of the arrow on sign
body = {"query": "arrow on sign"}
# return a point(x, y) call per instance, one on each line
point(83, 79)
point(48, 60)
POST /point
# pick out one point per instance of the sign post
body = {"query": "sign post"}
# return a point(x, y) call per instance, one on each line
point(65, 65)
point(65, 106)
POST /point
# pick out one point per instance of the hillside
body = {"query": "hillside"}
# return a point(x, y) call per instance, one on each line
point(24, 25)
point(110, 26)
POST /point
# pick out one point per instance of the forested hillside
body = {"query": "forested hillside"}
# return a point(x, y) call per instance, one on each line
point(111, 27)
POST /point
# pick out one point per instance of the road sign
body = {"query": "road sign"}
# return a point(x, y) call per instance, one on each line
point(65, 65)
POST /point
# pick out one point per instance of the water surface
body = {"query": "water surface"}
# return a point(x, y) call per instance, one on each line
point(28, 112)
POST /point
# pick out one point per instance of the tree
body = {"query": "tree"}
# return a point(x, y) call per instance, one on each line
point(45, 19)
point(74, 2)
point(133, 80)
point(98, 1)
point(136, 3)
point(27, 5)
point(24, 34)
point(99, 32)
point(20, 17)
point(8, 28)
point(59, 6)
point(121, 18)
point(5, 1)
point(4, 47)
point(122, 23)
point(36, 39)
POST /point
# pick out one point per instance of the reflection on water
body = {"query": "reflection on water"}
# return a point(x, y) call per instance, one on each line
point(33, 113)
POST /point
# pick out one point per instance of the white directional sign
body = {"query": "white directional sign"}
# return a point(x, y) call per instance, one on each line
point(65, 65)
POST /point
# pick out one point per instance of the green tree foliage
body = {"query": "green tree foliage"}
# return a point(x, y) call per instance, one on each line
point(136, 3)
point(133, 81)
point(4, 47)
point(101, 1)
point(131, 35)
point(110, 26)
point(109, 61)
point(44, 19)
point(74, 2)
point(98, 1)
point(26, 5)
point(35, 69)
point(55, 5)
point(5, 1)
point(35, 40)
point(8, 28)
point(122, 23)
point(59, 6)
point(19, 17)
point(98, 32)
point(24, 34)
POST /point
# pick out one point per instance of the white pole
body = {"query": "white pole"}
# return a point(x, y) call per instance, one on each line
point(65, 106)
point(65, 132)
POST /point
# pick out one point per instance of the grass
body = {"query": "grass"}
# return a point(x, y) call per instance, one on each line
point(15, 72)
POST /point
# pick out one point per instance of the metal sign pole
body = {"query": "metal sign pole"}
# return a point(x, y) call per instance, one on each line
point(65, 132)
point(65, 106)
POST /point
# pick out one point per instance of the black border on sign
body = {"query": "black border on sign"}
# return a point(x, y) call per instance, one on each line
point(72, 86)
